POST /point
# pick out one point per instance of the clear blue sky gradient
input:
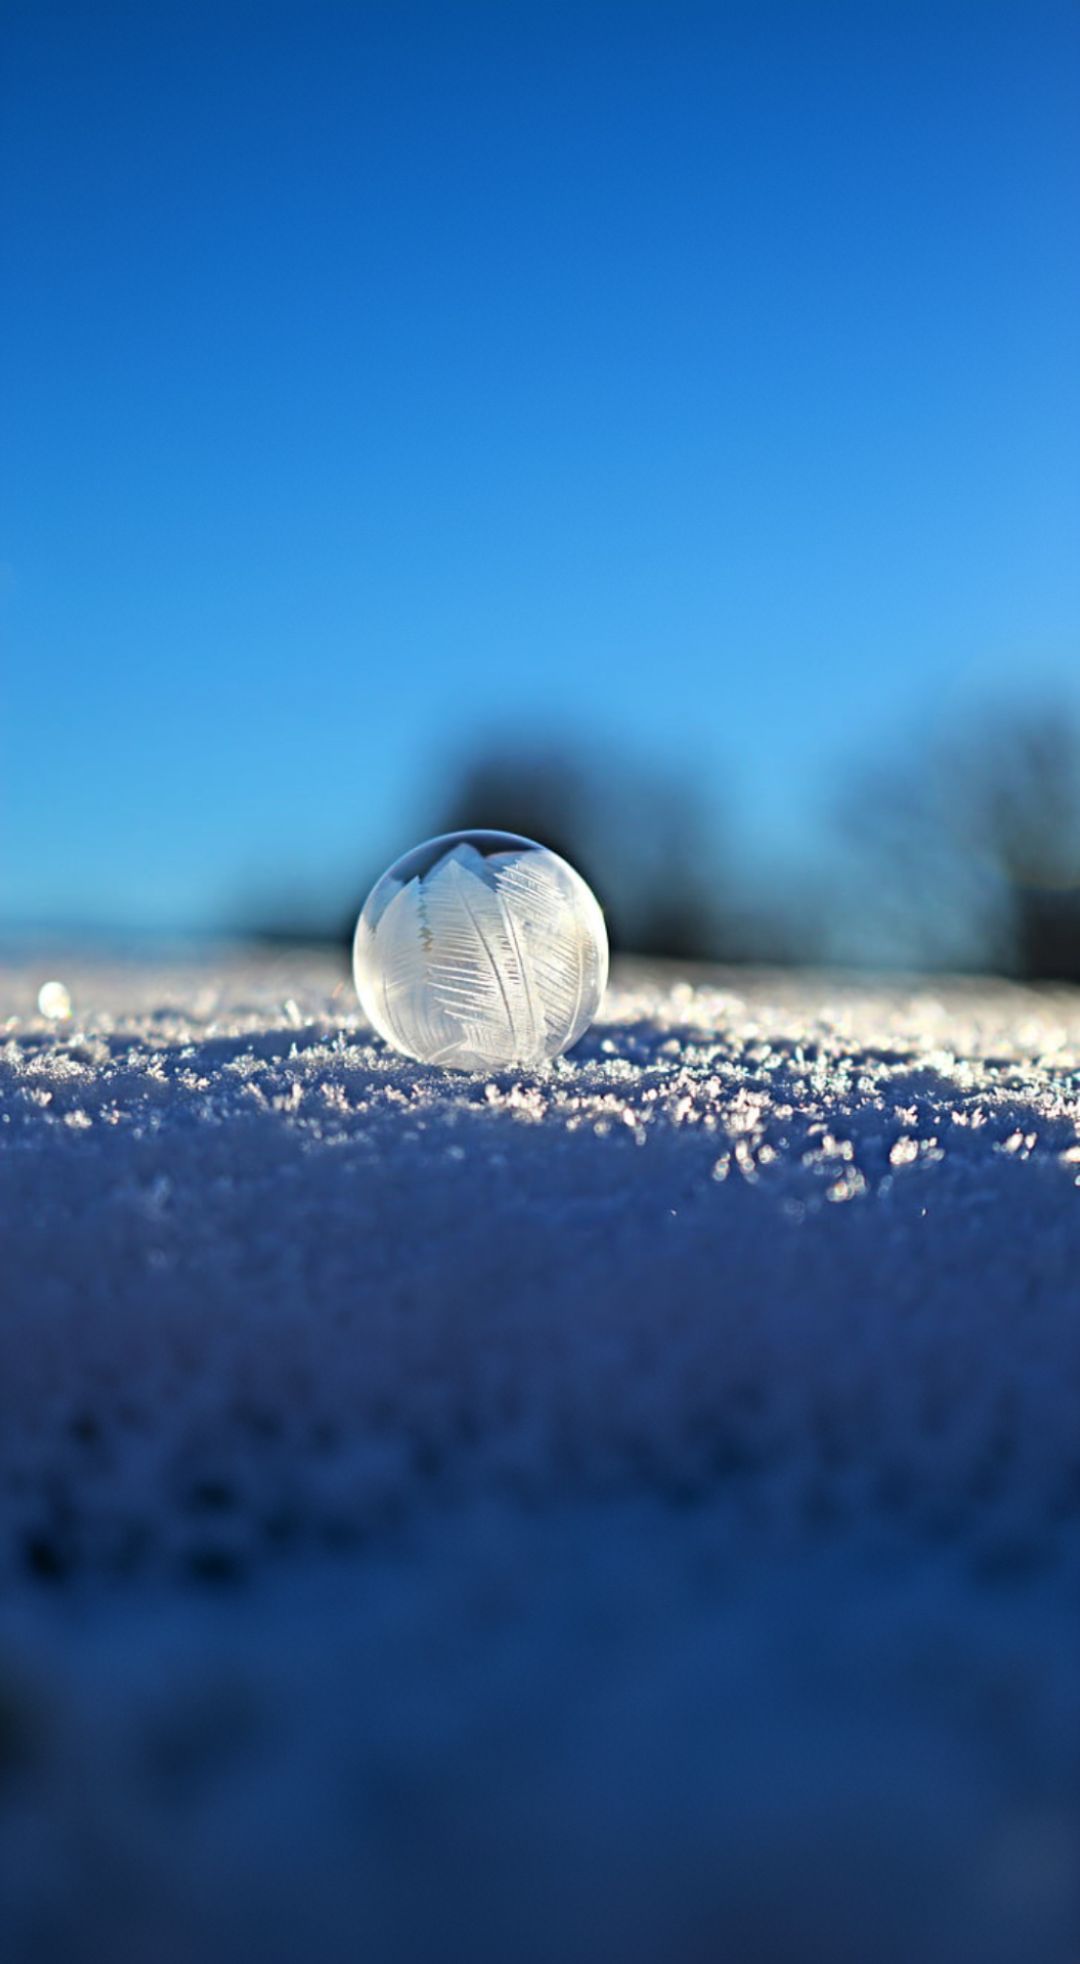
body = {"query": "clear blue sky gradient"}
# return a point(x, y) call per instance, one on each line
point(697, 381)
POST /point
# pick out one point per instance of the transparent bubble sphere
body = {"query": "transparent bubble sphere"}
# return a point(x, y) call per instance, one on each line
point(479, 950)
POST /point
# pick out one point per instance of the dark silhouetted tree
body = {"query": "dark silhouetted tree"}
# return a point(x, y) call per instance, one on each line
point(643, 842)
point(968, 855)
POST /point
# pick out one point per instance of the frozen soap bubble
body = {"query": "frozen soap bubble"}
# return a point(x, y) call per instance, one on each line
point(479, 950)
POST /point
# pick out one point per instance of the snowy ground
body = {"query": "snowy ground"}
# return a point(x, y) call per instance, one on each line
point(622, 1515)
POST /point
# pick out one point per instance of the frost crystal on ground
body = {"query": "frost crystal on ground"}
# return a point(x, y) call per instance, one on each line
point(641, 1495)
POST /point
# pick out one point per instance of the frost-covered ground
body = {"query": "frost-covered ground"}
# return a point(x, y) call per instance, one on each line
point(625, 1514)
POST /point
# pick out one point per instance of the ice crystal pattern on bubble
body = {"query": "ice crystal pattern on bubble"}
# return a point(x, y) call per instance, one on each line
point(481, 950)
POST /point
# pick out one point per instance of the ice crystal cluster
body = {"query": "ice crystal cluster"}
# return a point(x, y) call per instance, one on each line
point(480, 950)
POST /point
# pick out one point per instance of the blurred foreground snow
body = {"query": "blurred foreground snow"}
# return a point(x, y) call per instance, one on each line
point(620, 1514)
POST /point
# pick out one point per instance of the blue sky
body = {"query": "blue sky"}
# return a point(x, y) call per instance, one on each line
point(696, 382)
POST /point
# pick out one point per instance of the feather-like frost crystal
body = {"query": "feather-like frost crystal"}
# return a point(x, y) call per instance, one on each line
point(480, 950)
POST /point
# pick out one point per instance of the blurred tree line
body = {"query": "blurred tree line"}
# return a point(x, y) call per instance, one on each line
point(648, 844)
point(955, 853)
point(967, 854)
